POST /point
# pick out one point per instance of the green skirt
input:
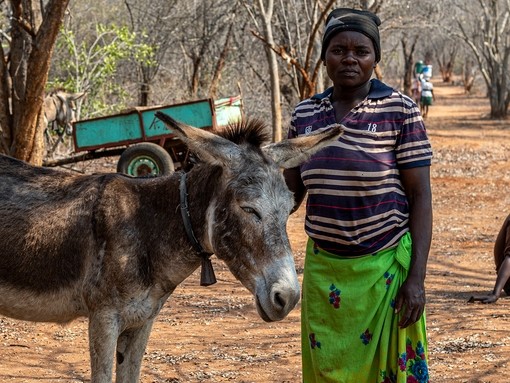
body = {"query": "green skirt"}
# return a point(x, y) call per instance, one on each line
point(349, 330)
point(426, 100)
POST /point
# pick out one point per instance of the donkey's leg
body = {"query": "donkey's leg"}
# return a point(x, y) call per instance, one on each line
point(130, 349)
point(103, 335)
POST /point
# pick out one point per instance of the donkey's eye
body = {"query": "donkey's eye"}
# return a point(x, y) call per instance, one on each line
point(252, 211)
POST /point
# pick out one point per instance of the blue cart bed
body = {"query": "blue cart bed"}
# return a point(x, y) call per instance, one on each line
point(140, 125)
point(145, 145)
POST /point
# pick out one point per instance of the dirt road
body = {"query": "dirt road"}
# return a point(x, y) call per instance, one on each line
point(214, 334)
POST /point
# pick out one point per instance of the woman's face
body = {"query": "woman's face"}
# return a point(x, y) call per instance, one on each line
point(350, 59)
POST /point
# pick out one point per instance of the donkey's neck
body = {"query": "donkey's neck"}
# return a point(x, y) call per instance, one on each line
point(203, 184)
point(50, 109)
point(177, 259)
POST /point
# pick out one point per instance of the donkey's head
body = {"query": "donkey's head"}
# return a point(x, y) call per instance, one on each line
point(247, 216)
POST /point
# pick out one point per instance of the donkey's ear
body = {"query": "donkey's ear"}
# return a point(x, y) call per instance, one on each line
point(208, 146)
point(293, 152)
point(77, 96)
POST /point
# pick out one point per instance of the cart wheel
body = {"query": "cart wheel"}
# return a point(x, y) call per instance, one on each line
point(145, 159)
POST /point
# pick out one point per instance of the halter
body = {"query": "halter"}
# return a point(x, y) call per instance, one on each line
point(207, 276)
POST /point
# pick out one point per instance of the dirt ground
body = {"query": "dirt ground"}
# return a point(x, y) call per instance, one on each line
point(213, 334)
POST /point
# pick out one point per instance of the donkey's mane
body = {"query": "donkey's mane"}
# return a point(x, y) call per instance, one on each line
point(248, 131)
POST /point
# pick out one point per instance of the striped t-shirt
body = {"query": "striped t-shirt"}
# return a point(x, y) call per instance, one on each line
point(356, 203)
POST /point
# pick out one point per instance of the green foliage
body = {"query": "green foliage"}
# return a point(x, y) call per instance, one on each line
point(91, 66)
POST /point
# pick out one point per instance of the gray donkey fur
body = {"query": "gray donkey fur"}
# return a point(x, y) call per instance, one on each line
point(59, 109)
point(113, 248)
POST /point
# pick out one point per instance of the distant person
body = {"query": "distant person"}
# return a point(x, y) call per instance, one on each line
point(427, 96)
point(416, 89)
point(502, 261)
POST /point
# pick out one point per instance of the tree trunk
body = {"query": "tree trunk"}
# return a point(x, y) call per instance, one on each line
point(468, 75)
point(498, 96)
point(274, 75)
point(215, 82)
point(5, 110)
point(408, 64)
point(33, 39)
point(145, 90)
point(491, 47)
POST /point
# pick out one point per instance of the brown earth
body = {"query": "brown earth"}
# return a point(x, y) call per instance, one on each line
point(213, 334)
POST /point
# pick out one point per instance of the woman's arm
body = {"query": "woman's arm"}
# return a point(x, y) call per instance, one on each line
point(501, 279)
point(411, 297)
point(502, 262)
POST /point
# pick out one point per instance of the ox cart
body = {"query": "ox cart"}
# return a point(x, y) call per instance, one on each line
point(144, 144)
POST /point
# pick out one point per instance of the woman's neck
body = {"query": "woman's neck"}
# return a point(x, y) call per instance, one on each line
point(344, 99)
point(350, 95)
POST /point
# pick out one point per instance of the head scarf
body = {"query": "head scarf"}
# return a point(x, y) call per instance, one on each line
point(347, 19)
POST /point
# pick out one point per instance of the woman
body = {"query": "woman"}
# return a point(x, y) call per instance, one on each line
point(416, 89)
point(368, 218)
point(427, 96)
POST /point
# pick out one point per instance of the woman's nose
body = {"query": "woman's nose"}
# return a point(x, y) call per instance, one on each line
point(348, 57)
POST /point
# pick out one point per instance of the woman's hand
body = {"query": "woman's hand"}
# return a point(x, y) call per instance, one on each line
point(410, 302)
point(490, 298)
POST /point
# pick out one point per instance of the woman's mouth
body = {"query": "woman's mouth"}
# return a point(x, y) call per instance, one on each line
point(349, 73)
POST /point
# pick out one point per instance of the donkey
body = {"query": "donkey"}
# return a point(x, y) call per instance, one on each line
point(60, 110)
point(113, 248)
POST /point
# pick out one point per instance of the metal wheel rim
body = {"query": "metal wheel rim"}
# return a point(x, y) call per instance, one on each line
point(141, 162)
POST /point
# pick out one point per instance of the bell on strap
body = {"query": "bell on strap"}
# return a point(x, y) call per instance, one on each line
point(207, 276)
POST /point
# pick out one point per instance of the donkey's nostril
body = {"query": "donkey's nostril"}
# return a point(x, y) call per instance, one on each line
point(279, 301)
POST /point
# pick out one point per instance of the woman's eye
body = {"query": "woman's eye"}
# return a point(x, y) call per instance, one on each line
point(252, 211)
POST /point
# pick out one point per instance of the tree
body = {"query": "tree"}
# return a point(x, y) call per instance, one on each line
point(150, 23)
point(199, 57)
point(300, 49)
point(405, 29)
point(200, 49)
point(300, 55)
point(220, 64)
point(485, 27)
point(266, 13)
point(468, 75)
point(24, 68)
point(446, 55)
point(305, 58)
point(91, 64)
point(409, 73)
point(301, 25)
